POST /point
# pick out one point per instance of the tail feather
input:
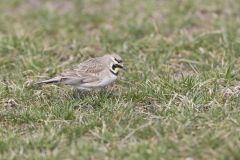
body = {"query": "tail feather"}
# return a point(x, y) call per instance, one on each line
point(52, 80)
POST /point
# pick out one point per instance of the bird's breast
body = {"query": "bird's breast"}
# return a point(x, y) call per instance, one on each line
point(108, 80)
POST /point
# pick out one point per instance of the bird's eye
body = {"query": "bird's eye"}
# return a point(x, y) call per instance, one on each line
point(118, 60)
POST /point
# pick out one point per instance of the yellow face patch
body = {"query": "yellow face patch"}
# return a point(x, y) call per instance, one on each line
point(116, 70)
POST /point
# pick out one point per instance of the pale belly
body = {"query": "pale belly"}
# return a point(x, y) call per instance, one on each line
point(104, 82)
point(107, 81)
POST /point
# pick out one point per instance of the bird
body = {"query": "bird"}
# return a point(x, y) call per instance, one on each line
point(93, 73)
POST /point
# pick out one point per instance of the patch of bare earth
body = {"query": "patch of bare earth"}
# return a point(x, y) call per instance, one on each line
point(35, 5)
point(231, 91)
point(10, 104)
point(109, 6)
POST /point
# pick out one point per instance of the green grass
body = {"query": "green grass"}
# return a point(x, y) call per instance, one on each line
point(177, 100)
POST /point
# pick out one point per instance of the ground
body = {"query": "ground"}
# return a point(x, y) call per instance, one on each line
point(178, 98)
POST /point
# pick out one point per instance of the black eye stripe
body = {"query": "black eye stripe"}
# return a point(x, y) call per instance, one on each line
point(119, 61)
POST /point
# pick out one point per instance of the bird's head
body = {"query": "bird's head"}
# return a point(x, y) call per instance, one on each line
point(116, 63)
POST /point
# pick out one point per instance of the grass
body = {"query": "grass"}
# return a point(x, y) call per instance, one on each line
point(179, 98)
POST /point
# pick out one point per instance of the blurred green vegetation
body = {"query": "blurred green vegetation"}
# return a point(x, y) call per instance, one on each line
point(177, 100)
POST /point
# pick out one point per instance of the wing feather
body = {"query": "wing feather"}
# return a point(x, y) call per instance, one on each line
point(93, 65)
point(78, 80)
point(86, 72)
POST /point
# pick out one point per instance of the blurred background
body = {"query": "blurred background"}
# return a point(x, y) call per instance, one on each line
point(179, 98)
point(54, 31)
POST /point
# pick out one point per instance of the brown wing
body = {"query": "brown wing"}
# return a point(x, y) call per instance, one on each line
point(76, 78)
point(93, 65)
point(85, 72)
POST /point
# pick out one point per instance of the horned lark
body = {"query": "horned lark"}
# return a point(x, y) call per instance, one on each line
point(93, 73)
